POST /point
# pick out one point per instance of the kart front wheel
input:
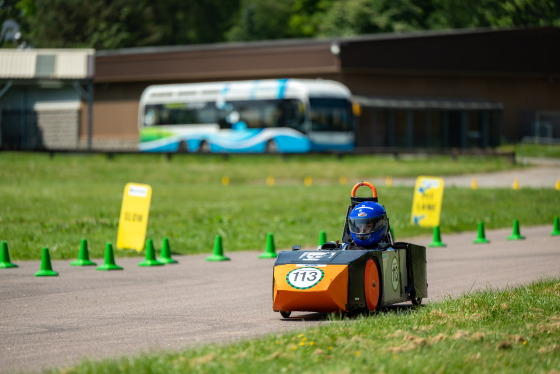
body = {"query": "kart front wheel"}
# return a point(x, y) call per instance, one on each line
point(285, 314)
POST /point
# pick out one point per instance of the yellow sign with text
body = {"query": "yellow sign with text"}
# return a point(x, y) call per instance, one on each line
point(134, 216)
point(426, 205)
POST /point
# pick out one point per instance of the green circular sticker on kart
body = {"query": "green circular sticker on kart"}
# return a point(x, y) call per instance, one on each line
point(305, 277)
point(395, 273)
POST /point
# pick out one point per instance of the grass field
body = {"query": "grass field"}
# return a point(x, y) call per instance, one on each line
point(55, 202)
point(511, 331)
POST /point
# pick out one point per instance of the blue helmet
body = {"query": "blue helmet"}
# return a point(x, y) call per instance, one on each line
point(368, 223)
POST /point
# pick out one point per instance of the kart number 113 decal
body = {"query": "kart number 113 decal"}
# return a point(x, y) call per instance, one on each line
point(304, 278)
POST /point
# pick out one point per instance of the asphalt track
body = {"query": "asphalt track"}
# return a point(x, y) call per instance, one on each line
point(57, 321)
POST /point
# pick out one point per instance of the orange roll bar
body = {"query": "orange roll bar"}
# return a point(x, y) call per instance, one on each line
point(373, 190)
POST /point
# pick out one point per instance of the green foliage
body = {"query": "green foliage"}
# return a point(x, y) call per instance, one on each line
point(491, 13)
point(355, 17)
point(489, 331)
point(126, 23)
point(57, 202)
point(105, 24)
point(526, 13)
point(536, 150)
point(261, 20)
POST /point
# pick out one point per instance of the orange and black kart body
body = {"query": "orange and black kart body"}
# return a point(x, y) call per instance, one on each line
point(332, 279)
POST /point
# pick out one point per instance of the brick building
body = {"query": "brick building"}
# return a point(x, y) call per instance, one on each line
point(451, 89)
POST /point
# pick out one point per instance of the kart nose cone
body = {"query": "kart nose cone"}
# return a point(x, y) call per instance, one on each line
point(321, 288)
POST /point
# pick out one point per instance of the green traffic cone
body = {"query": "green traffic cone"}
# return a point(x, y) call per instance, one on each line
point(165, 255)
point(270, 247)
point(322, 238)
point(46, 267)
point(5, 256)
point(218, 251)
point(556, 229)
point(109, 259)
point(436, 241)
point(481, 238)
point(83, 256)
point(150, 255)
point(516, 235)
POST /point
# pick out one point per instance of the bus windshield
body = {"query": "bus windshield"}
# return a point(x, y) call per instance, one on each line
point(331, 115)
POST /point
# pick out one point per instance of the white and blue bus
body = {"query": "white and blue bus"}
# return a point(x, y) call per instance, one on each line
point(282, 115)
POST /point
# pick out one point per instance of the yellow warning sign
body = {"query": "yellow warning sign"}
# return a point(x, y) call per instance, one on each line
point(426, 205)
point(134, 216)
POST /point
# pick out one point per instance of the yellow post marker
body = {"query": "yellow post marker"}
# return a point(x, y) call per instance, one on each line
point(474, 184)
point(426, 205)
point(225, 180)
point(389, 182)
point(133, 220)
point(557, 186)
point(343, 180)
point(270, 180)
point(515, 184)
point(308, 181)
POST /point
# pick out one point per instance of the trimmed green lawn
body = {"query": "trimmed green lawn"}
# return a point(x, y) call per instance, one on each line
point(55, 202)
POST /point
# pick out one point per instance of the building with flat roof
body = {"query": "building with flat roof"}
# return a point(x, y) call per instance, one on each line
point(43, 95)
point(445, 89)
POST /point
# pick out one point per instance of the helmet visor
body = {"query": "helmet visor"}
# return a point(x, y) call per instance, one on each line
point(366, 225)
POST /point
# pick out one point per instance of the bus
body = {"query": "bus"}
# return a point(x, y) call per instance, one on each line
point(272, 116)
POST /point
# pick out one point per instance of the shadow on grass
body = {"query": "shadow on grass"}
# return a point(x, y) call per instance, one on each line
point(332, 317)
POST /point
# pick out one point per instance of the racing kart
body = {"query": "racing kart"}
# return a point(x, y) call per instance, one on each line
point(337, 278)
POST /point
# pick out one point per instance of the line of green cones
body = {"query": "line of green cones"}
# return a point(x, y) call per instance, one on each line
point(218, 253)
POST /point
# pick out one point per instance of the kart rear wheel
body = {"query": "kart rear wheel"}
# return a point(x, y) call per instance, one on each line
point(416, 301)
point(285, 314)
point(372, 285)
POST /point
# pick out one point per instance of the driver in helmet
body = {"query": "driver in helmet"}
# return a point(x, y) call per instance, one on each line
point(368, 224)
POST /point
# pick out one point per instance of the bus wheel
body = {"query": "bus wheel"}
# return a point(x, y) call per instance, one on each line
point(271, 147)
point(182, 147)
point(285, 314)
point(204, 147)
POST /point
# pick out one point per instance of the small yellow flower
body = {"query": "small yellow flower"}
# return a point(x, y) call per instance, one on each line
point(357, 353)
point(330, 348)
point(303, 339)
point(300, 335)
point(525, 342)
point(313, 343)
point(294, 347)
point(302, 343)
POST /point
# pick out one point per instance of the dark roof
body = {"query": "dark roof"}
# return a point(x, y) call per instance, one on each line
point(471, 51)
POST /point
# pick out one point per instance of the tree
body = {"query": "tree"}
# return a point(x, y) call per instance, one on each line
point(261, 20)
point(305, 17)
point(110, 24)
point(451, 14)
point(355, 17)
point(12, 18)
point(526, 13)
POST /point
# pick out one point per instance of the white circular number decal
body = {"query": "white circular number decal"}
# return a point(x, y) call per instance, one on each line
point(395, 273)
point(304, 278)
